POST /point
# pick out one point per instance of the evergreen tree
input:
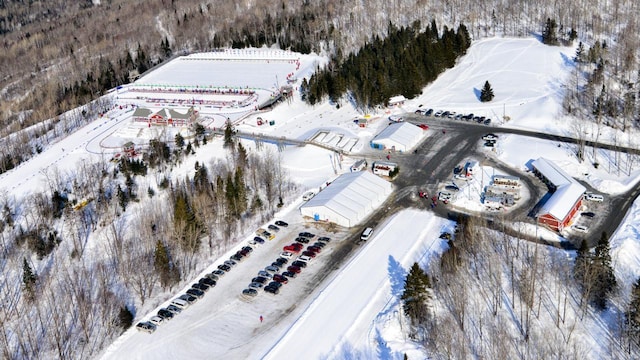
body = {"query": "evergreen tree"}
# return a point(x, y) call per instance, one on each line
point(486, 94)
point(579, 53)
point(29, 279)
point(241, 191)
point(605, 281)
point(179, 140)
point(125, 318)
point(582, 263)
point(228, 135)
point(123, 199)
point(549, 34)
point(162, 264)
point(416, 294)
point(632, 316)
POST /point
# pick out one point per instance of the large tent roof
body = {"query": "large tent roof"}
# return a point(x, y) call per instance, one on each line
point(352, 196)
point(405, 134)
point(568, 190)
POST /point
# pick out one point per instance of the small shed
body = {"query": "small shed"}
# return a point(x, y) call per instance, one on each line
point(383, 168)
point(359, 165)
point(397, 100)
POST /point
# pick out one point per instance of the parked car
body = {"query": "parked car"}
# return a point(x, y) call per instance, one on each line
point(396, 118)
point(156, 320)
point(289, 274)
point(487, 121)
point(201, 287)
point(258, 240)
point(255, 285)
point(299, 263)
point(309, 254)
point(195, 293)
point(302, 240)
point(212, 276)
point(281, 223)
point(307, 234)
point(276, 265)
point(188, 298)
point(286, 254)
point(181, 303)
point(366, 234)
point(237, 256)
point(269, 236)
point(319, 244)
point(423, 126)
point(308, 196)
point(250, 292)
point(146, 327)
point(260, 231)
point(588, 214)
point(324, 239)
point(281, 260)
point(273, 228)
point(174, 309)
point(292, 249)
point(314, 249)
point(272, 289)
point(207, 281)
point(275, 284)
point(444, 196)
point(280, 278)
point(165, 314)
point(219, 272)
point(580, 228)
point(594, 197)
point(294, 269)
point(265, 274)
point(244, 252)
point(224, 267)
point(490, 137)
point(259, 279)
point(272, 269)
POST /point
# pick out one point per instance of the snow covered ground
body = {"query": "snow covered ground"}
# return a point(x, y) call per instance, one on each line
point(354, 314)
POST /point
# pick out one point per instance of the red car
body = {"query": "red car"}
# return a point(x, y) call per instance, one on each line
point(281, 279)
point(294, 269)
point(315, 249)
point(424, 126)
point(292, 248)
point(308, 253)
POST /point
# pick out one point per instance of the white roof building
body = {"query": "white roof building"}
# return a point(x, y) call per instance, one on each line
point(565, 201)
point(349, 199)
point(398, 136)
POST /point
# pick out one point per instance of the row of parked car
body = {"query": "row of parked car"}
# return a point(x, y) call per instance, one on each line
point(273, 276)
point(454, 115)
point(207, 282)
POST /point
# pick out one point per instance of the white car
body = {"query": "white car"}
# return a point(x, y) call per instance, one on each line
point(594, 197)
point(396, 118)
point(304, 258)
point(286, 254)
point(580, 228)
point(366, 234)
point(308, 196)
point(490, 137)
point(444, 196)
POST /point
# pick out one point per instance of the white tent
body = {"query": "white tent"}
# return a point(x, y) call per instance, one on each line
point(349, 199)
point(398, 136)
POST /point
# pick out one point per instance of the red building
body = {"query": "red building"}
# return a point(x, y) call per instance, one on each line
point(566, 198)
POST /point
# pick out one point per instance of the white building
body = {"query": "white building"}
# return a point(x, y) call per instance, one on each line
point(383, 168)
point(349, 199)
point(398, 137)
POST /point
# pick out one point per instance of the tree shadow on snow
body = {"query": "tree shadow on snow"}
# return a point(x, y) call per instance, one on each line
point(397, 274)
point(477, 93)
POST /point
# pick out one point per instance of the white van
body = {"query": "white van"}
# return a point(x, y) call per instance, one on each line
point(182, 304)
point(366, 234)
point(594, 197)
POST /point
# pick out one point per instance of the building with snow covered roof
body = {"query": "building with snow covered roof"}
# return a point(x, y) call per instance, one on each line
point(350, 198)
point(559, 209)
point(397, 100)
point(398, 137)
point(164, 116)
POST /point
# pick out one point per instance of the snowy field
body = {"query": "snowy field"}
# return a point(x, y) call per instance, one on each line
point(354, 313)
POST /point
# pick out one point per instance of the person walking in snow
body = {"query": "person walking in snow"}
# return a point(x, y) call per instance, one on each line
point(261, 318)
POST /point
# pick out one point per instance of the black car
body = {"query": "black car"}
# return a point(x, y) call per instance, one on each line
point(218, 273)
point(212, 276)
point(195, 293)
point(319, 244)
point(259, 279)
point(588, 214)
point(307, 235)
point(250, 292)
point(289, 274)
point(272, 289)
point(188, 298)
point(247, 248)
point(429, 112)
point(165, 314)
point(207, 281)
point(258, 239)
point(273, 227)
point(224, 267)
point(281, 261)
point(324, 239)
point(276, 264)
point(302, 240)
point(300, 264)
point(281, 223)
point(237, 256)
point(201, 287)
point(174, 309)
point(275, 284)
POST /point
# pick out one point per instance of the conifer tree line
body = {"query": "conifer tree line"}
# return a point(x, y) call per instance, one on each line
point(401, 64)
